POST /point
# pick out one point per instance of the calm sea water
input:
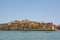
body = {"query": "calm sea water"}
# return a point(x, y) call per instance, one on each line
point(30, 35)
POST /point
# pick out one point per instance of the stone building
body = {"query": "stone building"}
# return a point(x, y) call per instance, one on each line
point(27, 25)
point(4, 26)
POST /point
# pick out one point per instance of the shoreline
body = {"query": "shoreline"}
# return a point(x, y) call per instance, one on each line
point(28, 30)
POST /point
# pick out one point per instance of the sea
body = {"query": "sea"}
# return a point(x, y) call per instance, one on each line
point(29, 35)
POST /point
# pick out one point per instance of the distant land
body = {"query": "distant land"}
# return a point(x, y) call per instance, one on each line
point(28, 26)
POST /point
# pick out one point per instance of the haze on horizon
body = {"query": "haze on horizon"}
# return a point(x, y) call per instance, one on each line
point(39, 10)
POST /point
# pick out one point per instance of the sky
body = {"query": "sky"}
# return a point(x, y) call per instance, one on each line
point(36, 10)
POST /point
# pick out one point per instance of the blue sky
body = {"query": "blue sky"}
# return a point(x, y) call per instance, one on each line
point(36, 10)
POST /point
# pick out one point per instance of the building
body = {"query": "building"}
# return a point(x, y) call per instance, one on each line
point(27, 25)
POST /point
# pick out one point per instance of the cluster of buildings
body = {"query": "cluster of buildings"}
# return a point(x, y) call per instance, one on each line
point(27, 25)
